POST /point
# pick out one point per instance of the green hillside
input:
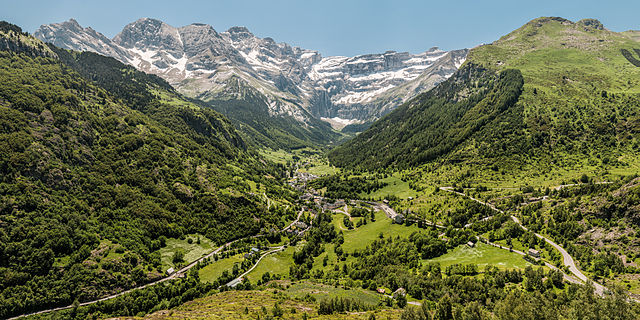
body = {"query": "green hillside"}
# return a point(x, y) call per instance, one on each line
point(435, 123)
point(578, 109)
point(249, 109)
point(154, 97)
point(99, 165)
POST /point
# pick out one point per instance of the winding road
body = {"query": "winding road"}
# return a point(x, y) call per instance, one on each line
point(238, 280)
point(173, 276)
point(178, 274)
point(566, 257)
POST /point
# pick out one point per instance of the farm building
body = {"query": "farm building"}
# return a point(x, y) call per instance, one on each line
point(534, 253)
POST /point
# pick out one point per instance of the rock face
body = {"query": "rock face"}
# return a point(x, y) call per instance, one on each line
point(70, 35)
point(290, 81)
point(368, 86)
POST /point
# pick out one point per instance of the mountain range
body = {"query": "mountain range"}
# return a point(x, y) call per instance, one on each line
point(579, 96)
point(117, 170)
point(85, 138)
point(245, 76)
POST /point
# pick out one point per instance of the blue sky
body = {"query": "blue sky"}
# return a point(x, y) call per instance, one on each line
point(342, 27)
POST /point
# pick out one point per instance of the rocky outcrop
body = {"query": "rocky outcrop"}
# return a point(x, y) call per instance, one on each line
point(17, 42)
point(70, 35)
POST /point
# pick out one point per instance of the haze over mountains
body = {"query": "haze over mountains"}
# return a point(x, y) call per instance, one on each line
point(277, 79)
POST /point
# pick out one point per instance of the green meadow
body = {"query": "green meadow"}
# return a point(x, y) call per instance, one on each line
point(192, 251)
point(481, 255)
point(214, 270)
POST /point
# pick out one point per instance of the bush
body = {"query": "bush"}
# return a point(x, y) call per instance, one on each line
point(178, 257)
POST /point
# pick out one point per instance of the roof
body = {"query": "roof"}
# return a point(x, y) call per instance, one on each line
point(400, 291)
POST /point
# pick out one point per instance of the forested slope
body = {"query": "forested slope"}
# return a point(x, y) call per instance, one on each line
point(578, 107)
point(249, 110)
point(469, 104)
point(155, 97)
point(98, 164)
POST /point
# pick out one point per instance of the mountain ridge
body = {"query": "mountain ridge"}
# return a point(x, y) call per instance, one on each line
point(198, 61)
point(580, 94)
point(101, 162)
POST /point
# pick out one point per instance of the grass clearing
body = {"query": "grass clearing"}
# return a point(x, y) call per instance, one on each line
point(277, 156)
point(395, 186)
point(192, 251)
point(481, 255)
point(329, 250)
point(275, 263)
point(323, 292)
point(362, 236)
point(214, 270)
point(319, 166)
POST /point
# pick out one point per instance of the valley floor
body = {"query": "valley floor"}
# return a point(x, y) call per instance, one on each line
point(278, 295)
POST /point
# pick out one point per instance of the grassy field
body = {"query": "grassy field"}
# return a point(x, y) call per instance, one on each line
point(322, 292)
point(277, 156)
point(482, 255)
point(332, 258)
point(232, 304)
point(276, 263)
point(360, 237)
point(214, 270)
point(319, 166)
point(395, 186)
point(192, 251)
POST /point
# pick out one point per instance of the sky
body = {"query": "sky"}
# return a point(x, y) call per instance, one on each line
point(333, 27)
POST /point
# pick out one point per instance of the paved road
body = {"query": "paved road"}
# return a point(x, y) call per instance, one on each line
point(173, 276)
point(413, 303)
point(385, 208)
point(238, 280)
point(567, 259)
point(565, 276)
point(294, 221)
point(562, 186)
point(344, 210)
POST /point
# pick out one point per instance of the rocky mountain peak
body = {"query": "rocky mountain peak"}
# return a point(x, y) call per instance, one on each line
point(201, 28)
point(293, 81)
point(149, 34)
point(72, 23)
point(239, 33)
point(539, 22)
point(591, 24)
point(71, 35)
